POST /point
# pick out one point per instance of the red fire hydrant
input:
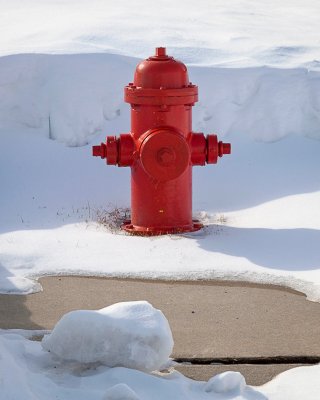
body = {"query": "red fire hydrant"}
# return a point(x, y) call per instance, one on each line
point(161, 148)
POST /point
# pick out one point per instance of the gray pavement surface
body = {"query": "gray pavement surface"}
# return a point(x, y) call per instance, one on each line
point(255, 375)
point(209, 320)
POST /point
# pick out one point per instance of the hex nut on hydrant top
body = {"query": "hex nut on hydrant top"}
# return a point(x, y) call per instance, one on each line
point(161, 148)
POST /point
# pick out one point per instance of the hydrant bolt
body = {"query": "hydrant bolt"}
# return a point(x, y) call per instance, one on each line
point(161, 148)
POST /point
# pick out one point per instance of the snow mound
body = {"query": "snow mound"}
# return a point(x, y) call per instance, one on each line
point(120, 392)
point(226, 382)
point(129, 334)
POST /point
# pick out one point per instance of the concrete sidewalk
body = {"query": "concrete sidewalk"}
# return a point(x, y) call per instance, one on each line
point(209, 320)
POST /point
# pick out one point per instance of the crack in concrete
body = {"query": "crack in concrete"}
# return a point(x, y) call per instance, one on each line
point(306, 360)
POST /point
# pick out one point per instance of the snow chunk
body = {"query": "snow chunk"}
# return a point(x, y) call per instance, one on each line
point(226, 382)
point(129, 334)
point(120, 392)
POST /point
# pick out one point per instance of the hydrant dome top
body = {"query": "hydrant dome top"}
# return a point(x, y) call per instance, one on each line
point(161, 80)
point(161, 71)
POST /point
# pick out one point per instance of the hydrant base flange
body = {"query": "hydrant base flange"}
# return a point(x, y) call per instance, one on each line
point(155, 231)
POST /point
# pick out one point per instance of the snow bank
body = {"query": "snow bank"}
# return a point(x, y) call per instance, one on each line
point(72, 98)
point(129, 334)
point(64, 98)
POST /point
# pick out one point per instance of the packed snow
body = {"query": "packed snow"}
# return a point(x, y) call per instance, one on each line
point(63, 67)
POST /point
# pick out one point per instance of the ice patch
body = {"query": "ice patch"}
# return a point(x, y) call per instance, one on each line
point(129, 334)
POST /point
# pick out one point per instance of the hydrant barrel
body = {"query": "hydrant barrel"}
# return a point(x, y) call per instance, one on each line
point(161, 98)
point(161, 147)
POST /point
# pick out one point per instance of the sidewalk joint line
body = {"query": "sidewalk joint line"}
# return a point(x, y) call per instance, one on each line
point(249, 360)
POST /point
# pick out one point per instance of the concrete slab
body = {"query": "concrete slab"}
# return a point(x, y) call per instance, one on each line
point(208, 319)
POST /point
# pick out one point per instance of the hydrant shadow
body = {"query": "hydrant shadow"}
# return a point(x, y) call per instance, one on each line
point(284, 249)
